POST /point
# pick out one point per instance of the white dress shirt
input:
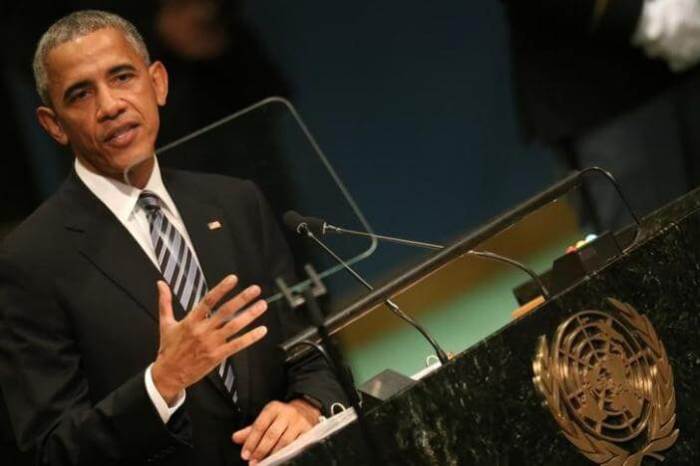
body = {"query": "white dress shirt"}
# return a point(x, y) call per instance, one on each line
point(122, 200)
point(670, 29)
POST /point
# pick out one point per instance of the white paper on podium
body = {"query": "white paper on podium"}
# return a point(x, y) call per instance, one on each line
point(427, 370)
point(325, 428)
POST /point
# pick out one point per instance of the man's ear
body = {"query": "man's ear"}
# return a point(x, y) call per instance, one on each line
point(159, 78)
point(49, 121)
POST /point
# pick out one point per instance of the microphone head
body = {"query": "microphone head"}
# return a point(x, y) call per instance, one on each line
point(315, 225)
point(300, 224)
point(294, 221)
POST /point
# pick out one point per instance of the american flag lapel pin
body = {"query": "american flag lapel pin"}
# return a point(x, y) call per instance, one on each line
point(214, 225)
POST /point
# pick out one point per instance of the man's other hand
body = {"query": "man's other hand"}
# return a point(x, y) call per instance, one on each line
point(278, 425)
point(194, 346)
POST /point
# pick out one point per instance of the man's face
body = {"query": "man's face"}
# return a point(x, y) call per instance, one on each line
point(104, 101)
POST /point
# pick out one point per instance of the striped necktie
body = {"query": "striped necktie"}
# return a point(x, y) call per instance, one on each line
point(180, 269)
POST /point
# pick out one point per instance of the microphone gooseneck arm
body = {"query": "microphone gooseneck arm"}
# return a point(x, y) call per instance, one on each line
point(390, 239)
point(506, 260)
point(302, 228)
point(420, 244)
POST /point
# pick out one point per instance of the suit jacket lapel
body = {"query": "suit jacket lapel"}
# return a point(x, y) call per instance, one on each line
point(215, 250)
point(105, 242)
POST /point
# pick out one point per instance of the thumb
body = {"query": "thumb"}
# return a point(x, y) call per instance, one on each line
point(165, 305)
point(241, 436)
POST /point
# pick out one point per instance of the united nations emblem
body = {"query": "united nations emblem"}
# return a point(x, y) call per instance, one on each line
point(608, 383)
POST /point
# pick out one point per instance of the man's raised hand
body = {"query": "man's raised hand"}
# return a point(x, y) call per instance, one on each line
point(194, 346)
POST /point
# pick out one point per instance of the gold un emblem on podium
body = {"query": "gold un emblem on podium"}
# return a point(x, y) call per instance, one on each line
point(608, 383)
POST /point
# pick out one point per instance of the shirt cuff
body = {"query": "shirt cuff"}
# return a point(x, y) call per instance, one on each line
point(164, 411)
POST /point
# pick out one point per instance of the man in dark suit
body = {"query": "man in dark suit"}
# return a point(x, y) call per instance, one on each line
point(98, 366)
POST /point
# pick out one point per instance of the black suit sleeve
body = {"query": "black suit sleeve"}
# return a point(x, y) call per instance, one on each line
point(610, 19)
point(48, 395)
point(311, 377)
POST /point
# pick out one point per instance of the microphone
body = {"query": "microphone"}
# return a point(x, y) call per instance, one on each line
point(298, 223)
point(319, 226)
point(308, 225)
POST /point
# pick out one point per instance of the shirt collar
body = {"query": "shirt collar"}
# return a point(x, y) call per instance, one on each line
point(120, 197)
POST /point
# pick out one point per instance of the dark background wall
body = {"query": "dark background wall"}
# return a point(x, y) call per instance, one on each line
point(411, 102)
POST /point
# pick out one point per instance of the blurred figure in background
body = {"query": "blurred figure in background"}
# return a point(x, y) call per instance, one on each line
point(612, 84)
point(17, 195)
point(223, 64)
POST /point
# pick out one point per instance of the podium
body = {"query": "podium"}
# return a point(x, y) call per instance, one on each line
point(607, 371)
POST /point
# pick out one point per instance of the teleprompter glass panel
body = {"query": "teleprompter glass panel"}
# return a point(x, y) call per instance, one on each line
point(268, 143)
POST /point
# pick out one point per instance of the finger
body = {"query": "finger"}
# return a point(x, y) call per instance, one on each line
point(241, 436)
point(242, 342)
point(204, 308)
point(235, 304)
point(291, 434)
point(258, 429)
point(165, 304)
point(270, 438)
point(243, 319)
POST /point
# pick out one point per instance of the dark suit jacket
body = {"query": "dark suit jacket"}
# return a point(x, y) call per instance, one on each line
point(574, 68)
point(79, 327)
